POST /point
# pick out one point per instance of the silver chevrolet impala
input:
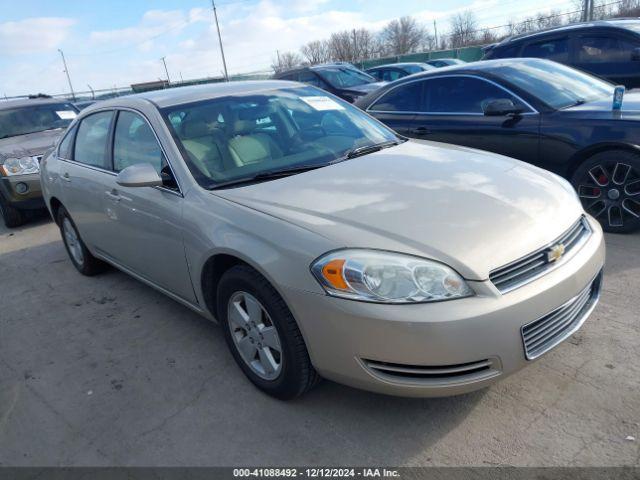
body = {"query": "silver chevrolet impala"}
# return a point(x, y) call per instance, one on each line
point(323, 243)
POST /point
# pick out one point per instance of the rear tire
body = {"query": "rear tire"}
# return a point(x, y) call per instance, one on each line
point(78, 252)
point(12, 216)
point(608, 184)
point(249, 306)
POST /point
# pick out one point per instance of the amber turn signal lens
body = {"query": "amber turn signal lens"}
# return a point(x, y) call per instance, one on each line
point(332, 273)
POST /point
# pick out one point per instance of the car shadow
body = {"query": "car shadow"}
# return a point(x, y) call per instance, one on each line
point(113, 372)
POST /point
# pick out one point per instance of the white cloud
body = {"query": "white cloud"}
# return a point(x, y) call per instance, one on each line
point(34, 35)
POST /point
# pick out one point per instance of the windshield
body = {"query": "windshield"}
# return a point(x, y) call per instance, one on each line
point(35, 118)
point(344, 77)
point(554, 84)
point(241, 136)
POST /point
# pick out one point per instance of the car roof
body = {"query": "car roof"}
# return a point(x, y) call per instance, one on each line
point(181, 95)
point(28, 102)
point(617, 23)
point(399, 64)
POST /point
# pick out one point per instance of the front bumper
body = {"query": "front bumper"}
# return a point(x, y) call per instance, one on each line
point(443, 348)
point(31, 199)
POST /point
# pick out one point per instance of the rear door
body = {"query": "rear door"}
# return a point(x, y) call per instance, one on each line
point(84, 175)
point(398, 106)
point(452, 112)
point(609, 55)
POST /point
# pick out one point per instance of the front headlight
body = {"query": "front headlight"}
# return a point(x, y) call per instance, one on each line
point(386, 277)
point(20, 166)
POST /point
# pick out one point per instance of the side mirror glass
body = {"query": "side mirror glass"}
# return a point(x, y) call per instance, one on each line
point(139, 175)
point(500, 107)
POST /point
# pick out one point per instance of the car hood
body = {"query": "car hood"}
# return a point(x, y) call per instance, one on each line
point(472, 210)
point(365, 88)
point(31, 144)
point(602, 108)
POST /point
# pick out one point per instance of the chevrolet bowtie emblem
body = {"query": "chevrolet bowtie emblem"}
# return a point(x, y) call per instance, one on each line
point(555, 253)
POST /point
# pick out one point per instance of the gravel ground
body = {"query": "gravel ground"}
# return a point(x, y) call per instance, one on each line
point(106, 371)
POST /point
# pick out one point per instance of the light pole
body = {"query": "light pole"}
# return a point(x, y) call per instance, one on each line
point(66, 70)
point(224, 62)
point(165, 69)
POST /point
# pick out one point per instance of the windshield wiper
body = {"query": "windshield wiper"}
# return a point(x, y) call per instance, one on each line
point(268, 175)
point(366, 149)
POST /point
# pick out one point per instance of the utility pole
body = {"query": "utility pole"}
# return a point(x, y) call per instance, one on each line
point(435, 32)
point(224, 62)
point(66, 70)
point(165, 69)
point(591, 2)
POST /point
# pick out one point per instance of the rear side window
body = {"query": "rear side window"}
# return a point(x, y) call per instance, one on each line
point(66, 146)
point(134, 142)
point(91, 140)
point(405, 98)
point(391, 74)
point(603, 48)
point(556, 49)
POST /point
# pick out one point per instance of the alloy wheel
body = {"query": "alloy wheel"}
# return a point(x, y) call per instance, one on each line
point(610, 191)
point(72, 241)
point(254, 335)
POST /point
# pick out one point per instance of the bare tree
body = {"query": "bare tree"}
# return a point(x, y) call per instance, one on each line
point(464, 30)
point(316, 51)
point(341, 47)
point(286, 61)
point(488, 36)
point(404, 35)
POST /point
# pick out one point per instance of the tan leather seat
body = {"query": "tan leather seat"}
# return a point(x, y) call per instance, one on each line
point(247, 147)
point(204, 146)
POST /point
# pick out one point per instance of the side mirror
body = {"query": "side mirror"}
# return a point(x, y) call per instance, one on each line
point(139, 175)
point(500, 107)
point(635, 55)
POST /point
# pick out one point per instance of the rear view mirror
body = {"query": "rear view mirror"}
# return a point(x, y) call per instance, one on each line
point(500, 107)
point(139, 175)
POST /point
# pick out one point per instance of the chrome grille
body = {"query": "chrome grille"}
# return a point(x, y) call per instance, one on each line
point(536, 264)
point(545, 333)
point(438, 374)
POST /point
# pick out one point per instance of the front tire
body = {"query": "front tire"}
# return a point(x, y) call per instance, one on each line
point(12, 216)
point(78, 252)
point(262, 334)
point(608, 184)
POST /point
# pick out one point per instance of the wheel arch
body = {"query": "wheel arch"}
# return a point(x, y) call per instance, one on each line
point(54, 208)
point(582, 155)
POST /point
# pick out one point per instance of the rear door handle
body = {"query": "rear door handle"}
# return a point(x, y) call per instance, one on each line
point(113, 196)
point(421, 131)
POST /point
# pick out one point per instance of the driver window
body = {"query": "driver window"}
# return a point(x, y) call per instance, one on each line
point(464, 95)
point(134, 143)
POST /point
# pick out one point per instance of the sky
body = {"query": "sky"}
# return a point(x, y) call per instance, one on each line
point(113, 43)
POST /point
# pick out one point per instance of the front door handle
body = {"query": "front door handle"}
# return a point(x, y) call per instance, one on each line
point(420, 131)
point(113, 196)
point(66, 177)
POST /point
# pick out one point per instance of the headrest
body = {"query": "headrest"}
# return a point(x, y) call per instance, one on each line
point(255, 113)
point(242, 127)
point(195, 128)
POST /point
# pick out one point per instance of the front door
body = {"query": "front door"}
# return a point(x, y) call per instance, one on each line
point(453, 113)
point(145, 223)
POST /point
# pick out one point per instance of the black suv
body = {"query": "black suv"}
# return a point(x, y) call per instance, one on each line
point(341, 79)
point(607, 48)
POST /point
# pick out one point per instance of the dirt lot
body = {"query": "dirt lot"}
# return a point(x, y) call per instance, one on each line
point(106, 371)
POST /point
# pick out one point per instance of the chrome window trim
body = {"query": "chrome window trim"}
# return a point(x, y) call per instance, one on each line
point(114, 173)
point(532, 111)
point(553, 266)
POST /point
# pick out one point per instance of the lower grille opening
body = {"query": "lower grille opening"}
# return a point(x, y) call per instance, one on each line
point(439, 374)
